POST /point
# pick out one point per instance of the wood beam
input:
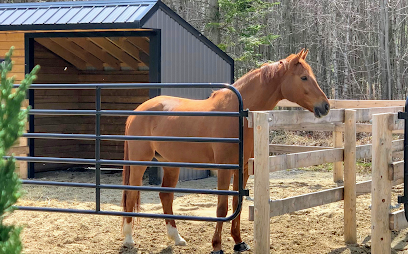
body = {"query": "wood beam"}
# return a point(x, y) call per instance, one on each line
point(366, 114)
point(112, 49)
point(300, 160)
point(305, 159)
point(350, 210)
point(275, 148)
point(305, 201)
point(398, 220)
point(97, 52)
point(80, 52)
point(261, 181)
point(366, 103)
point(286, 117)
point(381, 184)
point(352, 103)
point(140, 42)
point(131, 49)
point(310, 200)
point(62, 52)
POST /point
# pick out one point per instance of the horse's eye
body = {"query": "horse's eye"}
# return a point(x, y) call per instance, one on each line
point(303, 78)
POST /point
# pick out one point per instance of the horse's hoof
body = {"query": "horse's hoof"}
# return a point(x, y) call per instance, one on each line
point(128, 243)
point(181, 242)
point(240, 247)
point(217, 252)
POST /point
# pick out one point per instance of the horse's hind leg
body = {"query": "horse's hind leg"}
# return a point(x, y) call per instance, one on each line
point(235, 225)
point(133, 175)
point(131, 200)
point(170, 179)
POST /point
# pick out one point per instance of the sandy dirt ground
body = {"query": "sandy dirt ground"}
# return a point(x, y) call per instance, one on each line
point(315, 230)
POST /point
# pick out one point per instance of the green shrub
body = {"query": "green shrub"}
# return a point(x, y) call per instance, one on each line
point(12, 125)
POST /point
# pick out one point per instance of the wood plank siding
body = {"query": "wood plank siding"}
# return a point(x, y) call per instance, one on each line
point(7, 40)
point(54, 69)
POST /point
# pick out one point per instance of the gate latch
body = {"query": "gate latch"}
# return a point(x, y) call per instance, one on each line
point(402, 115)
point(244, 193)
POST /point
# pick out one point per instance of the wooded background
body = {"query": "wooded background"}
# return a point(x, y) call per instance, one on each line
point(358, 48)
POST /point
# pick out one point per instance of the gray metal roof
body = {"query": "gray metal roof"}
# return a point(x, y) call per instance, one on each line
point(103, 14)
point(74, 13)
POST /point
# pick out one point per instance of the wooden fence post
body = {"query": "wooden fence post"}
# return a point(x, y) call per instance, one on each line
point(350, 226)
point(381, 185)
point(338, 166)
point(261, 183)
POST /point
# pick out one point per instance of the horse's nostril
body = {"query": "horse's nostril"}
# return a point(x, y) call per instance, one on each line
point(327, 106)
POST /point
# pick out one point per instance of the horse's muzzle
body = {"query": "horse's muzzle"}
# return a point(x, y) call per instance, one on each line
point(322, 109)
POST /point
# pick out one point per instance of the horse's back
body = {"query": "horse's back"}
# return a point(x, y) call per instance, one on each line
point(171, 103)
point(168, 125)
point(181, 126)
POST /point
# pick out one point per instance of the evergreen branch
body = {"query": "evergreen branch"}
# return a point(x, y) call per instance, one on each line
point(12, 125)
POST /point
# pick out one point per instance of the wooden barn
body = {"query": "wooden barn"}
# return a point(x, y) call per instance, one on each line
point(119, 41)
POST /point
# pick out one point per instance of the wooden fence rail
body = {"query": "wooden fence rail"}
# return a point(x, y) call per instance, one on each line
point(317, 155)
point(336, 104)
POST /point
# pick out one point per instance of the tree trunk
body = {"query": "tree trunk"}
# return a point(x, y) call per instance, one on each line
point(213, 30)
point(385, 61)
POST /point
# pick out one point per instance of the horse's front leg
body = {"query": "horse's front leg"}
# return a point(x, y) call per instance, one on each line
point(236, 223)
point(224, 178)
point(170, 179)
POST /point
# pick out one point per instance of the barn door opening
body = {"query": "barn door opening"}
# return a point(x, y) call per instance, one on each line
point(81, 58)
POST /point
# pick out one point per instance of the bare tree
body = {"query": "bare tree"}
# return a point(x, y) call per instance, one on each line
point(358, 48)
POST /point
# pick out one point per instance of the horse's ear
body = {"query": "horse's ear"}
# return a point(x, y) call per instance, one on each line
point(296, 58)
point(305, 54)
point(300, 54)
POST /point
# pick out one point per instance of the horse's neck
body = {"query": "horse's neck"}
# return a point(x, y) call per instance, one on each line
point(258, 96)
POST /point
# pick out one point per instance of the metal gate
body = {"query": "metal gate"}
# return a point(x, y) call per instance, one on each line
point(97, 137)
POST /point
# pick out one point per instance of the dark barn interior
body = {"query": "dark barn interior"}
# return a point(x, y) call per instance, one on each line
point(81, 60)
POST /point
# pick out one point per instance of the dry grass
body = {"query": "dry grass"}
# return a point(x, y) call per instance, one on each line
point(325, 139)
point(313, 138)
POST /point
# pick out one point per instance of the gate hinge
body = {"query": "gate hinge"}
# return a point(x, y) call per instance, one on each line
point(402, 199)
point(244, 193)
point(402, 115)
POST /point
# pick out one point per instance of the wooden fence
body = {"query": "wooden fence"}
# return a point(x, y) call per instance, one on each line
point(343, 104)
point(385, 174)
point(346, 120)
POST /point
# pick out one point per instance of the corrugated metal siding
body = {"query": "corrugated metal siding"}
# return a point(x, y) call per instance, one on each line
point(184, 59)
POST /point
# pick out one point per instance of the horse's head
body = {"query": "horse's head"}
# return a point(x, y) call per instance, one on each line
point(299, 85)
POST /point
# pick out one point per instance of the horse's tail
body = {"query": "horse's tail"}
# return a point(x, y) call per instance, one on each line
point(125, 175)
point(126, 181)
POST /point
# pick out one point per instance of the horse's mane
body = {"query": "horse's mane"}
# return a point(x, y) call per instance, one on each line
point(267, 72)
point(270, 70)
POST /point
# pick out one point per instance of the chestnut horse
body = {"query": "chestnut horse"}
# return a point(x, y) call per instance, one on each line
point(261, 89)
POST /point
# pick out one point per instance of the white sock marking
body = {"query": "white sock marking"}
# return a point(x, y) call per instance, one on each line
point(174, 235)
point(127, 232)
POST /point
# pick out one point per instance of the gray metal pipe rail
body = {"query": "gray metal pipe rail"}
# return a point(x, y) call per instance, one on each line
point(98, 112)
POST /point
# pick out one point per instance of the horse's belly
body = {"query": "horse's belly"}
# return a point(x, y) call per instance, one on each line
point(197, 126)
point(197, 152)
point(185, 152)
